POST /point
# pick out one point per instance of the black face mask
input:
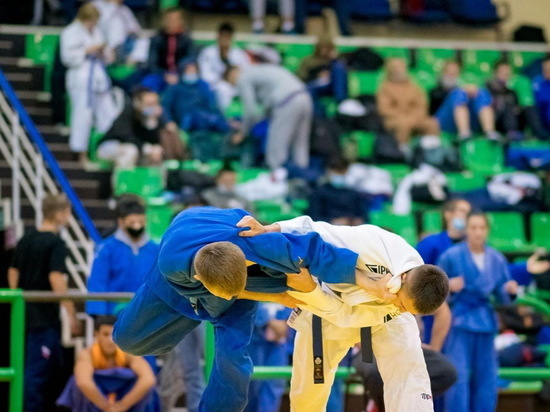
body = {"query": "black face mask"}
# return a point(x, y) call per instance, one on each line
point(135, 233)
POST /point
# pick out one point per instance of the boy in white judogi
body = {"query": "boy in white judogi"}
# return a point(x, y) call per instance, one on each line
point(345, 309)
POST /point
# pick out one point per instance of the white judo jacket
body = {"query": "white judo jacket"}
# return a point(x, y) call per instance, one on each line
point(395, 336)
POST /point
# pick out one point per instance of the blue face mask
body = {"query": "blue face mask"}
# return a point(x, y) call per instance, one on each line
point(149, 111)
point(458, 224)
point(338, 181)
point(190, 78)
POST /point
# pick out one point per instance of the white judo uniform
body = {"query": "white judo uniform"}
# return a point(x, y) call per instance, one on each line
point(395, 336)
point(212, 68)
point(88, 85)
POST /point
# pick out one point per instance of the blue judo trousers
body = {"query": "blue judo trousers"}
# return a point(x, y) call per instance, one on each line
point(470, 344)
point(172, 303)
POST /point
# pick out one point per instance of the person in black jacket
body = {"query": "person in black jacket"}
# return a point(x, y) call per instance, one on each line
point(336, 203)
point(140, 133)
point(510, 117)
point(167, 49)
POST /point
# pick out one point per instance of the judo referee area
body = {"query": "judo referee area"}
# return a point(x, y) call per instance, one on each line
point(527, 382)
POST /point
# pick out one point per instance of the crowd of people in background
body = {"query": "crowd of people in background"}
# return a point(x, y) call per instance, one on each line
point(179, 89)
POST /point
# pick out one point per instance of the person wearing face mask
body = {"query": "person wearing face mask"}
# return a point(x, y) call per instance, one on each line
point(477, 274)
point(462, 109)
point(403, 105)
point(334, 201)
point(140, 135)
point(191, 104)
point(123, 259)
point(223, 194)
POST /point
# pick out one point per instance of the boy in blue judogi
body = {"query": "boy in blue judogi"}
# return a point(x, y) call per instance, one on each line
point(476, 273)
point(202, 271)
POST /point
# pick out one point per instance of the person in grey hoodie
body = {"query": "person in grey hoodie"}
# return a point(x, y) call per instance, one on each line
point(287, 104)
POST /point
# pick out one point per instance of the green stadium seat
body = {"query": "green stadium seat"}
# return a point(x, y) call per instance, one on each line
point(431, 222)
point(362, 141)
point(540, 229)
point(293, 54)
point(329, 105)
point(41, 48)
point(522, 86)
point(235, 109)
point(394, 52)
point(144, 181)
point(191, 165)
point(520, 59)
point(480, 61)
point(397, 171)
point(158, 219)
point(507, 232)
point(469, 77)
point(247, 174)
point(121, 71)
point(167, 4)
point(95, 138)
point(462, 182)
point(425, 79)
point(433, 60)
point(300, 205)
point(403, 225)
point(364, 82)
point(484, 156)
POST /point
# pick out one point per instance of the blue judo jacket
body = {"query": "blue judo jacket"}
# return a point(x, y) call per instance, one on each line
point(276, 253)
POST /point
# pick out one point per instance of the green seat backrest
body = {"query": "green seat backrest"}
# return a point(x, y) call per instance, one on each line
point(431, 222)
point(41, 48)
point(167, 4)
point(522, 86)
point(121, 71)
point(433, 60)
point(293, 54)
point(480, 61)
point(470, 77)
point(245, 175)
point(158, 220)
point(364, 82)
point(394, 52)
point(403, 225)
point(482, 156)
point(540, 229)
point(507, 232)
point(143, 181)
point(425, 79)
point(520, 59)
point(462, 182)
point(397, 171)
point(362, 141)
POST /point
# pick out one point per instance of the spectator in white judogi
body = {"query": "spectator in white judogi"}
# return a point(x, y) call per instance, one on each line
point(215, 59)
point(92, 104)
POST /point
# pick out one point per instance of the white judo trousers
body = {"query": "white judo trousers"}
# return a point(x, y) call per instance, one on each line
point(88, 85)
point(395, 337)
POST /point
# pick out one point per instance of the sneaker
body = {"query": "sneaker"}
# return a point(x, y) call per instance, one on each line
point(494, 136)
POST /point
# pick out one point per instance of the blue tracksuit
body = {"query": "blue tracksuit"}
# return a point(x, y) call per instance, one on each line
point(172, 302)
point(458, 97)
point(541, 88)
point(120, 265)
point(433, 246)
point(470, 345)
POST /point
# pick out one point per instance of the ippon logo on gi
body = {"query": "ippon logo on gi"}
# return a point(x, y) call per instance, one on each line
point(426, 396)
point(381, 270)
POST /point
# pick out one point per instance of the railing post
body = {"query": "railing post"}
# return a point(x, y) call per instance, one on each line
point(17, 345)
point(15, 169)
point(39, 187)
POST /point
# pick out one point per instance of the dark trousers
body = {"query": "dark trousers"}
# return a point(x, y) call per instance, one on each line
point(441, 371)
point(341, 8)
point(43, 361)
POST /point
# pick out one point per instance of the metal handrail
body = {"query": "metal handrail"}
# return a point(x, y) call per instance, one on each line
point(48, 156)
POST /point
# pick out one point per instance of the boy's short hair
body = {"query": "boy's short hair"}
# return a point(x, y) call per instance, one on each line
point(226, 28)
point(52, 204)
point(428, 287)
point(129, 204)
point(222, 264)
point(88, 12)
point(170, 10)
point(106, 320)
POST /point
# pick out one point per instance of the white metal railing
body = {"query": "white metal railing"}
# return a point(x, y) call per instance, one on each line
point(32, 180)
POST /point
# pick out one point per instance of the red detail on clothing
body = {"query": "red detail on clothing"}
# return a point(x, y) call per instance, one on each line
point(171, 53)
point(528, 357)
